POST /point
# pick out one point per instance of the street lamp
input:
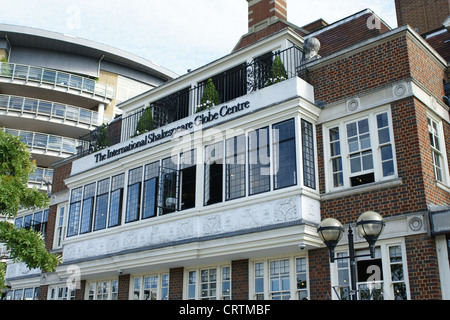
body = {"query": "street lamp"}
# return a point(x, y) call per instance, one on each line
point(370, 225)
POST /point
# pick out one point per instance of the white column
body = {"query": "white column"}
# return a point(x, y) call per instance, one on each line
point(101, 113)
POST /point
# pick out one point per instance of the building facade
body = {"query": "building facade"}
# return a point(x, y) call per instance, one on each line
point(212, 186)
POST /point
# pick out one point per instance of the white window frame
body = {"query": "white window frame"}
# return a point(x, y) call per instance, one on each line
point(267, 295)
point(371, 115)
point(382, 247)
point(61, 292)
point(198, 283)
point(159, 283)
point(98, 284)
point(60, 230)
point(443, 152)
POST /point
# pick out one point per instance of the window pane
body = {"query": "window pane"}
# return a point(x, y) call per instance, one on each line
point(309, 175)
point(101, 209)
point(235, 167)
point(285, 172)
point(213, 173)
point(259, 161)
point(115, 206)
point(149, 203)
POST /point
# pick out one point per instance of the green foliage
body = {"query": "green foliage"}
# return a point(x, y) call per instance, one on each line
point(102, 138)
point(24, 245)
point(210, 97)
point(15, 169)
point(28, 247)
point(278, 72)
point(145, 123)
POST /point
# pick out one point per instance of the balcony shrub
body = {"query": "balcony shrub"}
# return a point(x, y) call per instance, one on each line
point(210, 97)
point(278, 72)
point(145, 123)
point(102, 137)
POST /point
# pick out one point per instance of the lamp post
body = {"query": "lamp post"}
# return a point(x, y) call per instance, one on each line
point(370, 225)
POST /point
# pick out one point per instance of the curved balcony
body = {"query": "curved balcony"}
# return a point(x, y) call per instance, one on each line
point(48, 110)
point(46, 148)
point(52, 79)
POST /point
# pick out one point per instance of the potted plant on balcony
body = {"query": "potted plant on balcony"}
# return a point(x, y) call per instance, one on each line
point(145, 123)
point(102, 140)
point(210, 97)
point(278, 72)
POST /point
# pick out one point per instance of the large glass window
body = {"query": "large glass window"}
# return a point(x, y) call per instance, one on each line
point(88, 208)
point(149, 203)
point(397, 276)
point(134, 195)
point(213, 284)
point(187, 178)
point(115, 204)
point(151, 287)
point(360, 151)
point(285, 164)
point(213, 173)
point(168, 186)
point(101, 208)
point(259, 161)
point(74, 212)
point(235, 167)
point(309, 170)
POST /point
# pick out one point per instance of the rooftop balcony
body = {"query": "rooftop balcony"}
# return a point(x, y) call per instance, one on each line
point(217, 89)
point(57, 81)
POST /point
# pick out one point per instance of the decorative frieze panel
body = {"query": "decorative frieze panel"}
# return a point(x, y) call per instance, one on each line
point(224, 223)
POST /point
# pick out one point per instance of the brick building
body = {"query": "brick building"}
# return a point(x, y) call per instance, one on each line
point(220, 194)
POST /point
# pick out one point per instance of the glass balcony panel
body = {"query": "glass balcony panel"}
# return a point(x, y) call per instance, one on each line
point(13, 132)
point(62, 79)
point(30, 105)
point(49, 76)
point(26, 137)
point(69, 145)
point(45, 107)
point(40, 140)
point(59, 110)
point(16, 103)
point(100, 89)
point(75, 81)
point(85, 116)
point(37, 175)
point(54, 143)
point(4, 102)
point(72, 113)
point(35, 74)
point(88, 85)
point(5, 69)
point(20, 72)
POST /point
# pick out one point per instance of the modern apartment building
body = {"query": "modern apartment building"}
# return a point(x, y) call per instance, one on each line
point(212, 186)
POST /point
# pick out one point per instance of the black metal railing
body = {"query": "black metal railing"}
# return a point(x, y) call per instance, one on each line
point(238, 81)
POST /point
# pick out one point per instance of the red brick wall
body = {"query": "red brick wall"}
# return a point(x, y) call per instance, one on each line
point(263, 10)
point(319, 274)
point(50, 231)
point(357, 73)
point(59, 175)
point(43, 293)
point(239, 280)
point(176, 284)
point(124, 287)
point(79, 293)
point(424, 15)
point(423, 268)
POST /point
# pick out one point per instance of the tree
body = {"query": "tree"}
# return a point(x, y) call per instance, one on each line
point(210, 97)
point(24, 245)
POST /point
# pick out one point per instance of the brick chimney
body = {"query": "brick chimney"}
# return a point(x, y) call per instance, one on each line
point(262, 13)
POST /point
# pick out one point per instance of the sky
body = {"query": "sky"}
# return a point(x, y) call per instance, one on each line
point(176, 34)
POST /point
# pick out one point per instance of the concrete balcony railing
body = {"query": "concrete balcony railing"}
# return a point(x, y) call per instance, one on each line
point(48, 109)
point(55, 78)
point(46, 143)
